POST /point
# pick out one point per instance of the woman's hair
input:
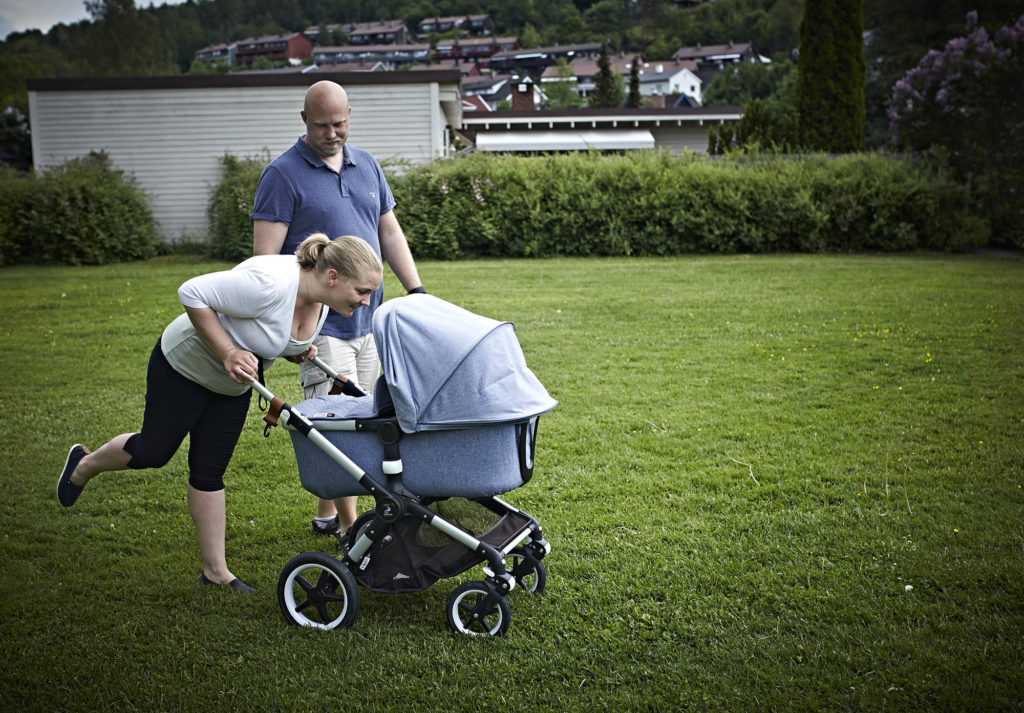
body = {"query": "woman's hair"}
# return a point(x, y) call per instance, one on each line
point(349, 255)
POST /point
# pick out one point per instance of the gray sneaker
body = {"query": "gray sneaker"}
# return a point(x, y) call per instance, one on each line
point(333, 527)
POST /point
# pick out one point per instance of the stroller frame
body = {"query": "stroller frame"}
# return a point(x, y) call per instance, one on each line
point(475, 607)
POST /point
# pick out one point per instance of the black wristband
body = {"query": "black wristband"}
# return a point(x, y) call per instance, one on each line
point(421, 290)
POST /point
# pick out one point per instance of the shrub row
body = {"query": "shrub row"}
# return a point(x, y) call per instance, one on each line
point(649, 203)
point(83, 212)
point(642, 203)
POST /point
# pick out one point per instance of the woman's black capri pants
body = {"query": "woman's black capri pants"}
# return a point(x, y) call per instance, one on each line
point(176, 406)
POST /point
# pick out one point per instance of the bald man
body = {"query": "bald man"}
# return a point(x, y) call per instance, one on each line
point(322, 184)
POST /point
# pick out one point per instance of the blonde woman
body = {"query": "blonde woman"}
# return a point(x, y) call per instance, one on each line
point(235, 324)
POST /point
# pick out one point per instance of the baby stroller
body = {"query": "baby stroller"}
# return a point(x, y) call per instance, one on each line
point(452, 424)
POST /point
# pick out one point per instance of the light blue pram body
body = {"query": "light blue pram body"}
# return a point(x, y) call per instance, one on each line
point(463, 396)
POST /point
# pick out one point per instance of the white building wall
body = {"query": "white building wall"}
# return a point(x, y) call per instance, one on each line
point(172, 139)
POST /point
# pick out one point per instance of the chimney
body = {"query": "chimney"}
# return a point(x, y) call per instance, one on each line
point(522, 94)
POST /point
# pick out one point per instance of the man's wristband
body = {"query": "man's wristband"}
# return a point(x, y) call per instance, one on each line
point(421, 290)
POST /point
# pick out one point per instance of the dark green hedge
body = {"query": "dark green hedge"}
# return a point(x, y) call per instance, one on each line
point(648, 203)
point(230, 207)
point(642, 203)
point(83, 212)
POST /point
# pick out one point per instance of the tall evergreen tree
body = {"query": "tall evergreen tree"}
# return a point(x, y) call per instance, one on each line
point(633, 100)
point(608, 92)
point(830, 85)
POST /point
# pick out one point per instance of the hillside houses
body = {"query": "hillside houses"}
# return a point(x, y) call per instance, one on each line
point(711, 59)
point(390, 56)
point(470, 24)
point(384, 32)
point(488, 64)
point(655, 78)
point(275, 48)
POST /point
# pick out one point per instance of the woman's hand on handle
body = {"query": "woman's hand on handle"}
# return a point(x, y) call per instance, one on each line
point(242, 366)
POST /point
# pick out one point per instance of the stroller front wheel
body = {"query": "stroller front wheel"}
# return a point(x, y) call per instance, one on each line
point(475, 610)
point(529, 571)
point(317, 590)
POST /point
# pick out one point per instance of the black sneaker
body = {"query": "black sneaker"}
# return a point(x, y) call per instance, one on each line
point(333, 527)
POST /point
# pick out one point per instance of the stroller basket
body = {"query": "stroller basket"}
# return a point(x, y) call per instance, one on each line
point(415, 556)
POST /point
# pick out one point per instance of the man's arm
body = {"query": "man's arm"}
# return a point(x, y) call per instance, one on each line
point(268, 237)
point(395, 249)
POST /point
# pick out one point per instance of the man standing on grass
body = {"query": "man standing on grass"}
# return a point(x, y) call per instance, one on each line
point(322, 184)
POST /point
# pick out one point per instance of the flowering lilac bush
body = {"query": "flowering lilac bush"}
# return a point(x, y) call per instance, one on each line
point(965, 107)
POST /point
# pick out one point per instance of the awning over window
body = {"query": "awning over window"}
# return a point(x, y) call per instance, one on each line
point(573, 140)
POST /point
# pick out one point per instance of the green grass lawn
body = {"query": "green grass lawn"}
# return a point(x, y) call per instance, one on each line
point(771, 483)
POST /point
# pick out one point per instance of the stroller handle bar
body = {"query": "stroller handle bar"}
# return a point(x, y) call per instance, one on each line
point(279, 410)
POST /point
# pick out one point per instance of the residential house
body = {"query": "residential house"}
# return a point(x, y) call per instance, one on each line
point(670, 78)
point(394, 56)
point(224, 52)
point(478, 49)
point(584, 71)
point(711, 59)
point(381, 32)
point(465, 69)
point(655, 78)
point(470, 24)
point(475, 103)
point(364, 66)
point(730, 53)
point(489, 90)
point(507, 44)
point(534, 60)
point(293, 47)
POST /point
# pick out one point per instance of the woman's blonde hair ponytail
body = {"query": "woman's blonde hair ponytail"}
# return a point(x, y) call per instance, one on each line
point(352, 257)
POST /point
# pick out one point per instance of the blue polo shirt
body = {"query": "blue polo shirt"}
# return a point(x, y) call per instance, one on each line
point(299, 189)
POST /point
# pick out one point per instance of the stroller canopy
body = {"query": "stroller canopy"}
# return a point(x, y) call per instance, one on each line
point(448, 368)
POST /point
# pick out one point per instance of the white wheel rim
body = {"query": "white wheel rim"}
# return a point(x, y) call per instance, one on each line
point(289, 597)
point(461, 625)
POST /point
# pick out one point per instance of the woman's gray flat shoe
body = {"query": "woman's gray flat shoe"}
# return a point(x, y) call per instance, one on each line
point(68, 492)
point(235, 583)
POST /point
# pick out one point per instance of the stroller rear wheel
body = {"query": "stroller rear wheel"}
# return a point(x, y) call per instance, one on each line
point(317, 590)
point(529, 571)
point(475, 610)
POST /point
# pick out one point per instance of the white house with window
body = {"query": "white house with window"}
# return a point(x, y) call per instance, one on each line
point(658, 81)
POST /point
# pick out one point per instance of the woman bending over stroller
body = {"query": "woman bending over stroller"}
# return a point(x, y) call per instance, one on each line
point(236, 323)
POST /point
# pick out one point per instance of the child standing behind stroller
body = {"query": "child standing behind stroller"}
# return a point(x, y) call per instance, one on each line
point(236, 323)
